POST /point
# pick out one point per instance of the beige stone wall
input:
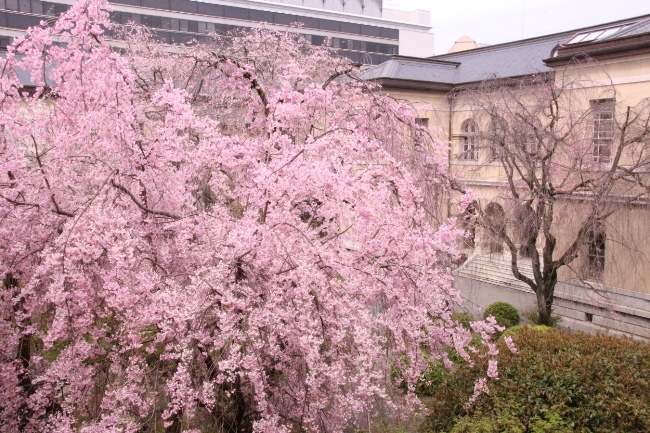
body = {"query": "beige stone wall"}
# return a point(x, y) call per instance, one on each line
point(629, 75)
point(627, 259)
point(627, 250)
point(431, 105)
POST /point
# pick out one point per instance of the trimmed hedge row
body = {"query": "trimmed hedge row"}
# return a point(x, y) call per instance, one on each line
point(557, 382)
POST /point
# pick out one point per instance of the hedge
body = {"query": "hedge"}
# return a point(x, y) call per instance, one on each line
point(557, 382)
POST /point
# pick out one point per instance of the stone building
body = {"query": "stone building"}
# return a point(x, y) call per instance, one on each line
point(602, 70)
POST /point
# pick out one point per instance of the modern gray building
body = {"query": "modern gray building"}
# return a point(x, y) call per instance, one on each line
point(359, 29)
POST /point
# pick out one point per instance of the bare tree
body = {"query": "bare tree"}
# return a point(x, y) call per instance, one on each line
point(569, 154)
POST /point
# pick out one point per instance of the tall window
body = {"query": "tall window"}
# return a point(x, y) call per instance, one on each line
point(468, 224)
point(495, 218)
point(603, 130)
point(469, 140)
point(596, 254)
point(497, 136)
point(530, 144)
point(526, 228)
point(423, 126)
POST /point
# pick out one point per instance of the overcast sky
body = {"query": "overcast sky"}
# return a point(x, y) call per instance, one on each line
point(496, 21)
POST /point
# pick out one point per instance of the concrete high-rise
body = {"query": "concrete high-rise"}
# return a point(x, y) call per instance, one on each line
point(359, 29)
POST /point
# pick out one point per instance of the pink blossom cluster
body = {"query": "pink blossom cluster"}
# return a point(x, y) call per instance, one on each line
point(222, 236)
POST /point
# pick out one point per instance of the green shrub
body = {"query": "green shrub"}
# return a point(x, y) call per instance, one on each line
point(433, 376)
point(505, 314)
point(557, 382)
point(551, 422)
point(436, 372)
point(463, 318)
point(487, 425)
point(516, 329)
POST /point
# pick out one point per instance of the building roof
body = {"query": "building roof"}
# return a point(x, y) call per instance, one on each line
point(504, 60)
point(512, 59)
point(638, 28)
point(413, 70)
point(474, 65)
point(624, 37)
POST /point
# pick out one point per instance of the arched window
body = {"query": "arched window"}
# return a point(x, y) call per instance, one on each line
point(469, 226)
point(526, 228)
point(495, 219)
point(596, 253)
point(469, 140)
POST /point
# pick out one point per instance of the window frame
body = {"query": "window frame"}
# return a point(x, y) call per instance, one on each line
point(603, 118)
point(596, 250)
point(422, 124)
point(496, 136)
point(531, 145)
point(469, 140)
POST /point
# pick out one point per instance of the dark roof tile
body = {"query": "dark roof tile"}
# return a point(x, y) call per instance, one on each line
point(638, 28)
point(413, 69)
point(512, 59)
point(504, 60)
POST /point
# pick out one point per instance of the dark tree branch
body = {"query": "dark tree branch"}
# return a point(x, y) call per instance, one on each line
point(339, 74)
point(140, 205)
point(57, 209)
point(255, 84)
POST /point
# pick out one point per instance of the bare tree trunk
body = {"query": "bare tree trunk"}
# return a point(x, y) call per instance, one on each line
point(24, 349)
point(543, 308)
point(545, 297)
point(176, 425)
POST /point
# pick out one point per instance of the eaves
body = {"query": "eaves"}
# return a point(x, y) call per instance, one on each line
point(392, 83)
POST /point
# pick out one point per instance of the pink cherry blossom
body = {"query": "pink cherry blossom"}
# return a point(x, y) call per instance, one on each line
point(229, 235)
